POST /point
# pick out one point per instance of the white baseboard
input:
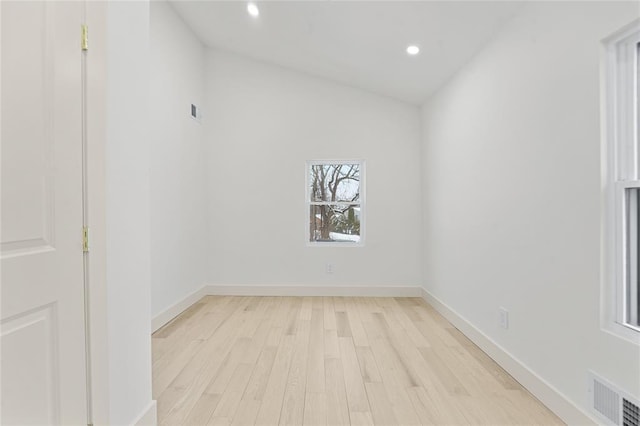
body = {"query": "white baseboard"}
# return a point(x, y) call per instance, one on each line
point(272, 290)
point(540, 388)
point(177, 308)
point(149, 417)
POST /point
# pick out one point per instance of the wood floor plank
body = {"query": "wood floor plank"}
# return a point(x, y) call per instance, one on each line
point(194, 330)
point(165, 373)
point(442, 371)
point(357, 329)
point(368, 365)
point(329, 313)
point(407, 324)
point(434, 334)
point(258, 382)
point(342, 324)
point(520, 402)
point(247, 412)
point(228, 404)
point(271, 405)
point(390, 357)
point(492, 368)
point(293, 316)
point(315, 409)
point(396, 381)
point(361, 419)
point(435, 409)
point(338, 304)
point(306, 308)
point(337, 404)
point(410, 307)
point(166, 401)
point(203, 409)
point(356, 393)
point(315, 369)
point(227, 369)
point(475, 377)
point(293, 400)
point(381, 409)
point(158, 348)
point(331, 346)
point(233, 360)
point(202, 368)
point(218, 316)
point(401, 405)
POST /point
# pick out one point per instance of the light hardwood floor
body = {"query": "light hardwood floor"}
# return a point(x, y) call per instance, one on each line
point(329, 361)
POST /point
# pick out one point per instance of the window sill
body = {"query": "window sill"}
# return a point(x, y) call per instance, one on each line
point(335, 244)
point(628, 333)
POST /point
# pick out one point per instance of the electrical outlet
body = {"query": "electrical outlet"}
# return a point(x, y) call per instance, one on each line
point(503, 318)
point(328, 268)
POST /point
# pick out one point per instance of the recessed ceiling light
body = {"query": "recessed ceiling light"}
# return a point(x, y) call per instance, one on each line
point(413, 50)
point(253, 10)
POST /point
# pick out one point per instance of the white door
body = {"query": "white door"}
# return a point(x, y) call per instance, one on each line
point(42, 308)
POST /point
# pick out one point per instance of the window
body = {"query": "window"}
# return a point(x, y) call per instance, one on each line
point(335, 203)
point(630, 289)
point(622, 228)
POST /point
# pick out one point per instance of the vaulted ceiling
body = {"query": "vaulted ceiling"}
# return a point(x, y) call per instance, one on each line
point(357, 43)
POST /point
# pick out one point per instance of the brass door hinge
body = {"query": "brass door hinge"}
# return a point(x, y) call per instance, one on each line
point(84, 38)
point(85, 239)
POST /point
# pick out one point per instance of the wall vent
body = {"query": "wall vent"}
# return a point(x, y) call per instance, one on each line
point(611, 404)
point(196, 113)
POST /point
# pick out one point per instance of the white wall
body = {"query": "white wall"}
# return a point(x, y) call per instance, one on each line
point(127, 210)
point(512, 192)
point(178, 202)
point(263, 123)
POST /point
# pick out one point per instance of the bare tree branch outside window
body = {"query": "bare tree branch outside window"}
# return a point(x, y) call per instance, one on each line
point(335, 203)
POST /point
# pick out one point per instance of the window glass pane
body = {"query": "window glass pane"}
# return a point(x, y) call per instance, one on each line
point(633, 256)
point(334, 182)
point(637, 109)
point(334, 223)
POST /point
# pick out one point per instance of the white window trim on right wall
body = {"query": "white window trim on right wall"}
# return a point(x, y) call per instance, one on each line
point(621, 168)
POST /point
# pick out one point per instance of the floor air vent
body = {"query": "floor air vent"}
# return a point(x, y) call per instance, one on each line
point(630, 413)
point(611, 404)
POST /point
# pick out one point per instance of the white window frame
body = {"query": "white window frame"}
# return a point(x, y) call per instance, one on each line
point(362, 203)
point(621, 170)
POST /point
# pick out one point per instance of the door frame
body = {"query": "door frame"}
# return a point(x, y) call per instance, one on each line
point(108, 23)
point(95, 203)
